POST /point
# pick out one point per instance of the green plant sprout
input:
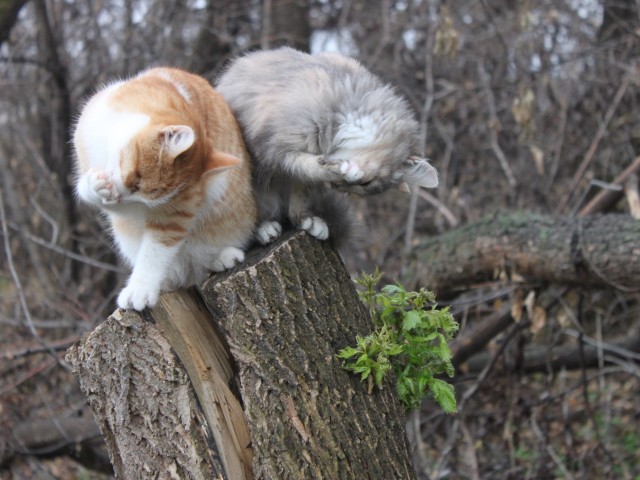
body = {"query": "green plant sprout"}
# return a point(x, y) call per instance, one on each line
point(411, 337)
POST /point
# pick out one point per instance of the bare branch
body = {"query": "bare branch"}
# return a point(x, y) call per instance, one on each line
point(602, 130)
point(494, 125)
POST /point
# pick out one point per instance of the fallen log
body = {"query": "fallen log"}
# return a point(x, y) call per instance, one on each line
point(569, 357)
point(599, 251)
point(70, 433)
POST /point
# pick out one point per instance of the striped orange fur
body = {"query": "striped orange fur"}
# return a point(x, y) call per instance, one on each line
point(162, 156)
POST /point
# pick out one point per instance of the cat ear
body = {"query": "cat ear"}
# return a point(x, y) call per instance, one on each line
point(221, 160)
point(418, 171)
point(176, 139)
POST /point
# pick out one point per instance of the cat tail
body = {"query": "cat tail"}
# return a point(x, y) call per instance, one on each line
point(345, 230)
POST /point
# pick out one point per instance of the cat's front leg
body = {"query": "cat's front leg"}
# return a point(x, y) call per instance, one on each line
point(268, 231)
point(310, 167)
point(301, 215)
point(227, 258)
point(149, 273)
point(140, 292)
point(98, 187)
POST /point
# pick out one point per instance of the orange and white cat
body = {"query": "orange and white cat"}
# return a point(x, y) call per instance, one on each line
point(162, 156)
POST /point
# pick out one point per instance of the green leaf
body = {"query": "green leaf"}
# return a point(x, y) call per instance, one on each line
point(444, 394)
point(390, 289)
point(411, 338)
point(411, 320)
point(379, 373)
point(388, 314)
point(348, 352)
point(394, 349)
point(426, 338)
point(444, 352)
point(364, 372)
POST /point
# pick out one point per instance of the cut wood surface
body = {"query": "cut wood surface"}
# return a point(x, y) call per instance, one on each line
point(599, 250)
point(188, 327)
point(161, 383)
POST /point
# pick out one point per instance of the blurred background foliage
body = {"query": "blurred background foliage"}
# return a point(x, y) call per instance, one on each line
point(528, 105)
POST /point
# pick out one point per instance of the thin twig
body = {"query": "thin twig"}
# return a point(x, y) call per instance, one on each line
point(606, 347)
point(471, 457)
point(42, 323)
point(21, 296)
point(494, 123)
point(607, 198)
point(14, 272)
point(550, 450)
point(629, 367)
point(424, 118)
point(470, 392)
point(62, 344)
point(441, 207)
point(265, 36)
point(55, 229)
point(443, 167)
point(45, 365)
point(68, 253)
point(633, 199)
point(595, 143)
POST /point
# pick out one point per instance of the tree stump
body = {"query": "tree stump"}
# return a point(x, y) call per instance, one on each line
point(161, 383)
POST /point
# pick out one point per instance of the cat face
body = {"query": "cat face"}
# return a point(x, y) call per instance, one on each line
point(155, 164)
point(380, 156)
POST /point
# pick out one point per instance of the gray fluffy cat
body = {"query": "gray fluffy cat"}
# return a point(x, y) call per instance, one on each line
point(313, 122)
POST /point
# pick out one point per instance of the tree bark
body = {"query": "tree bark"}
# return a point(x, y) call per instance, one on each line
point(143, 402)
point(284, 314)
point(600, 251)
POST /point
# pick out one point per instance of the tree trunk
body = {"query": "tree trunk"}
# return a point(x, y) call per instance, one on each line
point(284, 313)
point(594, 251)
point(285, 23)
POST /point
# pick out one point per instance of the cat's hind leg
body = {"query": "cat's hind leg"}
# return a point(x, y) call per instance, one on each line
point(301, 215)
point(269, 201)
point(316, 227)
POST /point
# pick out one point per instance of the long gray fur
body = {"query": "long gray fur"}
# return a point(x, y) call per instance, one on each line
point(312, 122)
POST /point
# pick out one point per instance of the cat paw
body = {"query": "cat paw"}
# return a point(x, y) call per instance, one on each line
point(351, 172)
point(228, 258)
point(138, 296)
point(316, 227)
point(331, 168)
point(268, 231)
point(343, 170)
point(103, 186)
